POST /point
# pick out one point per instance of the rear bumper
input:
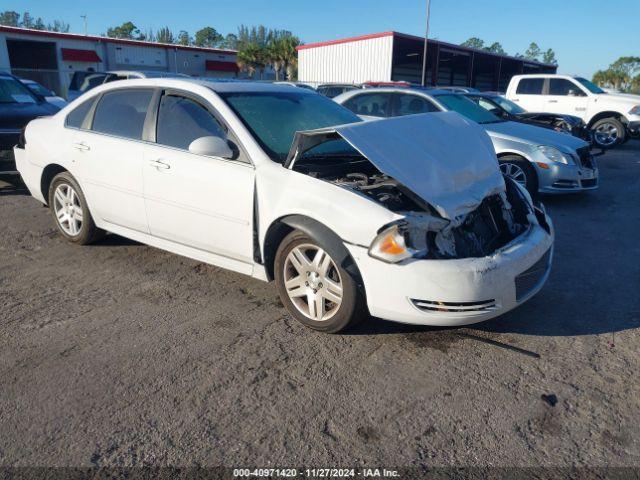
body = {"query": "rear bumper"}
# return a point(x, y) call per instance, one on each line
point(30, 173)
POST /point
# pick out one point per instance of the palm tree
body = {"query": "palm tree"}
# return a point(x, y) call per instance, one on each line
point(249, 58)
point(275, 55)
point(290, 55)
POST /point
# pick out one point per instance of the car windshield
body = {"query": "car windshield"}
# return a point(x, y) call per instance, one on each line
point(508, 105)
point(37, 88)
point(592, 87)
point(273, 118)
point(467, 108)
point(13, 91)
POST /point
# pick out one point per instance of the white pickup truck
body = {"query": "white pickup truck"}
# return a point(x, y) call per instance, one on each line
point(612, 117)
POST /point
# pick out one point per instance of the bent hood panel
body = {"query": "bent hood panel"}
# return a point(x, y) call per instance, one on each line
point(444, 158)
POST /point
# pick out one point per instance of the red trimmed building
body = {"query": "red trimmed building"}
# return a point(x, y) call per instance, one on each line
point(392, 56)
point(51, 57)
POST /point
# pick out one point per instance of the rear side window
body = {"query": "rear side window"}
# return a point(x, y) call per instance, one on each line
point(372, 104)
point(412, 104)
point(182, 120)
point(530, 86)
point(561, 86)
point(77, 116)
point(122, 113)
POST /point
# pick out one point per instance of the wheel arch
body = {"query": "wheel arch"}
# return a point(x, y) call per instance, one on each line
point(606, 114)
point(509, 153)
point(48, 174)
point(330, 240)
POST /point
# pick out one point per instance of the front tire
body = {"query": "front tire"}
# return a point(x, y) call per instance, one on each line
point(71, 212)
point(608, 132)
point(521, 171)
point(317, 291)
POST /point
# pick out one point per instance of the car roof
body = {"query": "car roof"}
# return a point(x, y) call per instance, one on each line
point(423, 90)
point(480, 94)
point(217, 85)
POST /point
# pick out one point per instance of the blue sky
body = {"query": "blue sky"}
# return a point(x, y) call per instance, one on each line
point(586, 34)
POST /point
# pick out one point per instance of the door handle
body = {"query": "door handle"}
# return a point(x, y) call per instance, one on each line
point(159, 164)
point(83, 147)
point(553, 101)
point(515, 99)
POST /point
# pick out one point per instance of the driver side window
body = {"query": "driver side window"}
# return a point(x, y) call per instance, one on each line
point(562, 86)
point(181, 120)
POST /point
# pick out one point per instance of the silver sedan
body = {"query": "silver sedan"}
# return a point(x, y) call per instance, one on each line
point(540, 159)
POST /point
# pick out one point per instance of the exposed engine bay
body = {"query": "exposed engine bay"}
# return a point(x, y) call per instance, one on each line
point(495, 222)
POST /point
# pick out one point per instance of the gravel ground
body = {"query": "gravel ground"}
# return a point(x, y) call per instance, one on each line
point(118, 354)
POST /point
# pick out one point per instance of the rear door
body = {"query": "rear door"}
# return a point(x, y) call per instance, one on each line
point(566, 97)
point(529, 94)
point(108, 153)
point(196, 200)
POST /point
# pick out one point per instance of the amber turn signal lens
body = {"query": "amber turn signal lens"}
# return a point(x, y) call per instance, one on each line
point(390, 246)
point(544, 166)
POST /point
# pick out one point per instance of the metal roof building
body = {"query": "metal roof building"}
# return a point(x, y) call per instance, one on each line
point(51, 58)
point(393, 56)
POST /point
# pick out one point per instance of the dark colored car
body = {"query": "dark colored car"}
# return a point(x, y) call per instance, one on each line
point(18, 106)
point(508, 110)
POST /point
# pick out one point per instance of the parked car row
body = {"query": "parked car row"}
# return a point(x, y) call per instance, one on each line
point(561, 102)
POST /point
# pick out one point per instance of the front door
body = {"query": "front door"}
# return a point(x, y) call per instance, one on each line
point(566, 97)
point(195, 200)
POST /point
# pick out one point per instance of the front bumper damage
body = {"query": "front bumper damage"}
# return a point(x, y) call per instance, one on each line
point(460, 291)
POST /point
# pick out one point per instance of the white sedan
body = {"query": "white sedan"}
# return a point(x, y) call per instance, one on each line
point(347, 217)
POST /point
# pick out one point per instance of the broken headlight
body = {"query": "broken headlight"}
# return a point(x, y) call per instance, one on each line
point(389, 246)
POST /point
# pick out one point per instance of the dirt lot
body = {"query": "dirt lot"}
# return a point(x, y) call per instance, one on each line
point(119, 354)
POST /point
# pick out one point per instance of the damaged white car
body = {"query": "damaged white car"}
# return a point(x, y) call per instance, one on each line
point(361, 217)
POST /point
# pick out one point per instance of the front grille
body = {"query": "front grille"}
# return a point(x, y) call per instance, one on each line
point(586, 158)
point(592, 182)
point(530, 279)
point(565, 184)
point(468, 307)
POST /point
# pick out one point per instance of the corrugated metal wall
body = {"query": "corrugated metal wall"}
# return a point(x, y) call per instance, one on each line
point(352, 62)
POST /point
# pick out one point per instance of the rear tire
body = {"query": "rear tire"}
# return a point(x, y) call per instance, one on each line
point(70, 211)
point(317, 291)
point(521, 171)
point(608, 132)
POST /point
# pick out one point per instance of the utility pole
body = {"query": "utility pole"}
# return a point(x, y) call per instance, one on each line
point(424, 53)
point(84, 19)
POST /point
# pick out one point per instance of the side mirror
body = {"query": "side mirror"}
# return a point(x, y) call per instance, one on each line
point(211, 146)
point(572, 93)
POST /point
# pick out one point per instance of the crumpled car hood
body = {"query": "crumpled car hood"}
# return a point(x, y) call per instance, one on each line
point(445, 159)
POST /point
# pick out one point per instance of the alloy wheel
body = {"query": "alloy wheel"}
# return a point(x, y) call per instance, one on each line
point(312, 282)
point(514, 172)
point(607, 134)
point(66, 205)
